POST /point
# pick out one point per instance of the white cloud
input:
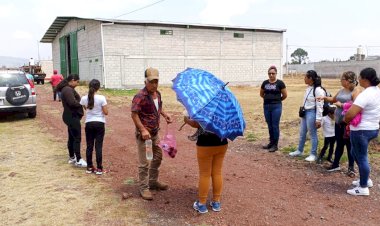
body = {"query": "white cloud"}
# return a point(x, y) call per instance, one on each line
point(22, 35)
point(222, 11)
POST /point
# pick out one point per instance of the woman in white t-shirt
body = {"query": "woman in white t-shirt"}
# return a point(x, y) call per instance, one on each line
point(368, 103)
point(96, 109)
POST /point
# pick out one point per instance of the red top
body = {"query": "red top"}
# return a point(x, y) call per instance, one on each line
point(143, 104)
point(56, 79)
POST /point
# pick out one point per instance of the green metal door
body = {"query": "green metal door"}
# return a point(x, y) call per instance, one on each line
point(74, 53)
point(62, 47)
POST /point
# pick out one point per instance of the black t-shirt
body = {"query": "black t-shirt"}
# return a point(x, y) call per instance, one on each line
point(210, 139)
point(272, 91)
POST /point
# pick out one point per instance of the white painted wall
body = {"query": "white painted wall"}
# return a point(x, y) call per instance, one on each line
point(130, 49)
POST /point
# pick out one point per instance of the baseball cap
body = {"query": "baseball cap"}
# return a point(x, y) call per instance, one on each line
point(151, 74)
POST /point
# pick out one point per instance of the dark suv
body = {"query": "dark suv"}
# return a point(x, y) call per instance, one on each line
point(17, 93)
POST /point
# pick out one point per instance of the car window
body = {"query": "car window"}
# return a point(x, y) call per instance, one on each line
point(13, 79)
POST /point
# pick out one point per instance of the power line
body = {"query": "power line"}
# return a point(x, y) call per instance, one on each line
point(325, 47)
point(144, 7)
point(332, 47)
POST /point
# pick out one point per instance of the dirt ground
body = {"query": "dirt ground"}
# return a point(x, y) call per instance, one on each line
point(38, 187)
point(260, 188)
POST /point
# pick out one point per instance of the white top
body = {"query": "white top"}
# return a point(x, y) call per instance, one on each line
point(96, 114)
point(311, 103)
point(156, 103)
point(369, 101)
point(328, 126)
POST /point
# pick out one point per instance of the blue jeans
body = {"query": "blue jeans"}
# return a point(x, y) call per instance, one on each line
point(308, 125)
point(272, 113)
point(359, 149)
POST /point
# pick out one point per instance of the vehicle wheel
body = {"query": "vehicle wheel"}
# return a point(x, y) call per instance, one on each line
point(38, 82)
point(17, 95)
point(32, 114)
point(43, 82)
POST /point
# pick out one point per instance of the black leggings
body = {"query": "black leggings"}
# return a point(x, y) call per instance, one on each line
point(94, 134)
point(74, 136)
point(328, 143)
point(340, 143)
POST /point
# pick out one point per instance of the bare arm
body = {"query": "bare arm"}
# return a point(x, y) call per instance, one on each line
point(105, 110)
point(144, 132)
point(190, 122)
point(167, 117)
point(262, 93)
point(351, 113)
point(284, 94)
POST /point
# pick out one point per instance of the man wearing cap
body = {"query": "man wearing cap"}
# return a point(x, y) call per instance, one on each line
point(55, 79)
point(146, 110)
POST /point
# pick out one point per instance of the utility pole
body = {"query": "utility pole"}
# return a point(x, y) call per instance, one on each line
point(286, 58)
point(38, 50)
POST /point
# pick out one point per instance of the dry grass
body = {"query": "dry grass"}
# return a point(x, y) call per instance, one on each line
point(252, 105)
point(38, 187)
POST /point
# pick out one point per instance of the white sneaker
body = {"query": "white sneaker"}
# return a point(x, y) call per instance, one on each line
point(295, 153)
point(357, 183)
point(358, 191)
point(81, 163)
point(72, 160)
point(311, 158)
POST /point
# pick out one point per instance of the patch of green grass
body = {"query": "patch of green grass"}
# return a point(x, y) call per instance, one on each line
point(129, 181)
point(289, 149)
point(119, 92)
point(251, 137)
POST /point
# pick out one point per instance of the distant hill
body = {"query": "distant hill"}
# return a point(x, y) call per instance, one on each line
point(6, 61)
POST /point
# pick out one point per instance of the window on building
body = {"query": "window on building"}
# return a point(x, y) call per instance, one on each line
point(238, 35)
point(166, 32)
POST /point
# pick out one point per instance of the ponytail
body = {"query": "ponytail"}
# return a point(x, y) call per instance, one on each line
point(93, 86)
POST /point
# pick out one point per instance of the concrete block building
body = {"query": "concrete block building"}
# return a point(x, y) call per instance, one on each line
point(117, 52)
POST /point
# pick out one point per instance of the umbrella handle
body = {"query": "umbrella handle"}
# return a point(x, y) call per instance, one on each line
point(180, 128)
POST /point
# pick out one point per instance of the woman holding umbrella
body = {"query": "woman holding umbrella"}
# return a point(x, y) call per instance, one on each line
point(214, 110)
point(273, 91)
point(210, 154)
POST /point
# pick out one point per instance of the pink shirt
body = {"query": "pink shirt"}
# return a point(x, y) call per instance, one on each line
point(56, 79)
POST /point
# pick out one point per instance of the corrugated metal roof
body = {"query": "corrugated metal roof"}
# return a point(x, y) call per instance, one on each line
point(60, 22)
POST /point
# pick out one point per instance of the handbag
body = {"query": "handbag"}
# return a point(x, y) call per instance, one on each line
point(302, 111)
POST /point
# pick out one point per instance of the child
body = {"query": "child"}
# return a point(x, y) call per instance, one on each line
point(329, 134)
point(96, 109)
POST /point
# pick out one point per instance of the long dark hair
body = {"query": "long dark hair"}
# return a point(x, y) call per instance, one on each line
point(317, 81)
point(93, 86)
point(370, 74)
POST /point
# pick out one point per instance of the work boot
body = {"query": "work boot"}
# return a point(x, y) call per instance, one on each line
point(158, 186)
point(273, 148)
point(268, 146)
point(146, 194)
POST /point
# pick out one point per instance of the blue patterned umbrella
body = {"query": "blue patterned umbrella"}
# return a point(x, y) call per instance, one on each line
point(210, 102)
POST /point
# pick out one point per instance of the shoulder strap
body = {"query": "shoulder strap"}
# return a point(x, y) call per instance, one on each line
point(306, 98)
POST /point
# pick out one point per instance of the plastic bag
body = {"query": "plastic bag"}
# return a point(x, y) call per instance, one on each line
point(169, 144)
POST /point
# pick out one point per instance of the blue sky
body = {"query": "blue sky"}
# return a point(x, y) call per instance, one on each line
point(326, 29)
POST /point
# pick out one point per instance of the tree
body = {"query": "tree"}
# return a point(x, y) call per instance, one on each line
point(299, 56)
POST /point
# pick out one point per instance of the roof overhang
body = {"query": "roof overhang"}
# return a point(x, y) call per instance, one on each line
point(60, 22)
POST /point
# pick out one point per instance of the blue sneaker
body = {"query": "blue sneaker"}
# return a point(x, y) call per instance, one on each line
point(199, 207)
point(215, 206)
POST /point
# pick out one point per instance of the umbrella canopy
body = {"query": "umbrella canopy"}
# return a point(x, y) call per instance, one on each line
point(210, 102)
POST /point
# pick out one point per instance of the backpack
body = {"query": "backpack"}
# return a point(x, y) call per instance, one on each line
point(326, 105)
